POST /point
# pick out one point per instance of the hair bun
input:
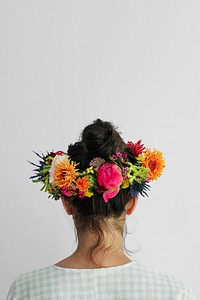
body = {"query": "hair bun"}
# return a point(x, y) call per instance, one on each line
point(102, 139)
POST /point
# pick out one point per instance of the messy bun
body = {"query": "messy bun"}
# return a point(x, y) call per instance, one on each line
point(102, 139)
point(99, 139)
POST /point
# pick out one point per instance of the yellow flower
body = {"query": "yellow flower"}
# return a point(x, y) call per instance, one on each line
point(154, 161)
point(65, 173)
point(90, 170)
point(88, 194)
point(125, 183)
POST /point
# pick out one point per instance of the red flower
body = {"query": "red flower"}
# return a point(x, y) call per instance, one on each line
point(59, 153)
point(137, 148)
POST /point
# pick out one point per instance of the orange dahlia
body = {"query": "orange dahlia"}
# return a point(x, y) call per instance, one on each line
point(65, 173)
point(153, 160)
point(82, 184)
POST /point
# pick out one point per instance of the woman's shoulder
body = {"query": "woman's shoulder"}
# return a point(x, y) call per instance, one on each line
point(23, 281)
point(24, 277)
point(162, 281)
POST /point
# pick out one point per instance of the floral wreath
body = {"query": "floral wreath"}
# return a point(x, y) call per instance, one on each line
point(60, 174)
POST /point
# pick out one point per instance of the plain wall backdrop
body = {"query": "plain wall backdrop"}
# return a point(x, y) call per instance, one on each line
point(66, 63)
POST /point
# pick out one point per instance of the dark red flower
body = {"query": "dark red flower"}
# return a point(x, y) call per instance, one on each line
point(59, 153)
point(137, 148)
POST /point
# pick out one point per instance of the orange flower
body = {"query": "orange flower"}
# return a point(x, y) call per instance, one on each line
point(153, 160)
point(82, 184)
point(65, 173)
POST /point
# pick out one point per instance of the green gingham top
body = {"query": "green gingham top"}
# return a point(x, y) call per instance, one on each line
point(129, 281)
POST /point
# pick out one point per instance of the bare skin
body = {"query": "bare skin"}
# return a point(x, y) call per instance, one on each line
point(113, 257)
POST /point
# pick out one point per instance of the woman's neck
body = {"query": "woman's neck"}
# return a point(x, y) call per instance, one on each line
point(78, 261)
point(111, 254)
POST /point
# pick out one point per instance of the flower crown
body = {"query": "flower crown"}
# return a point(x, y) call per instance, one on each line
point(60, 174)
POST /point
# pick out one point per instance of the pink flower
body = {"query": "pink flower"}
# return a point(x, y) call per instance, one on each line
point(68, 191)
point(109, 178)
point(80, 194)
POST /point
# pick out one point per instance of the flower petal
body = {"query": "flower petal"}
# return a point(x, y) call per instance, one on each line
point(110, 193)
point(57, 159)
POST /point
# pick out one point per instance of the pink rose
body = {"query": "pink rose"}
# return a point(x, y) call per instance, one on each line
point(109, 178)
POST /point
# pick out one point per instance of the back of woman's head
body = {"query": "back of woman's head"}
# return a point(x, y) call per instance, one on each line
point(97, 168)
point(99, 139)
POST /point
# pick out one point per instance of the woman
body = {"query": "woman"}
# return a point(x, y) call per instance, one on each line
point(98, 181)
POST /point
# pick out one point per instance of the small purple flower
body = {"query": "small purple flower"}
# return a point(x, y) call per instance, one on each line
point(124, 156)
point(118, 155)
point(124, 172)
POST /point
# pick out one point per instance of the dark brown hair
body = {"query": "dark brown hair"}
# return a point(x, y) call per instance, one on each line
point(99, 139)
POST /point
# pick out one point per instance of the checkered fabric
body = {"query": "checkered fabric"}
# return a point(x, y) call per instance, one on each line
point(129, 281)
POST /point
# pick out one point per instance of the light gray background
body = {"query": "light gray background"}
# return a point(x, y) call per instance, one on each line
point(65, 63)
